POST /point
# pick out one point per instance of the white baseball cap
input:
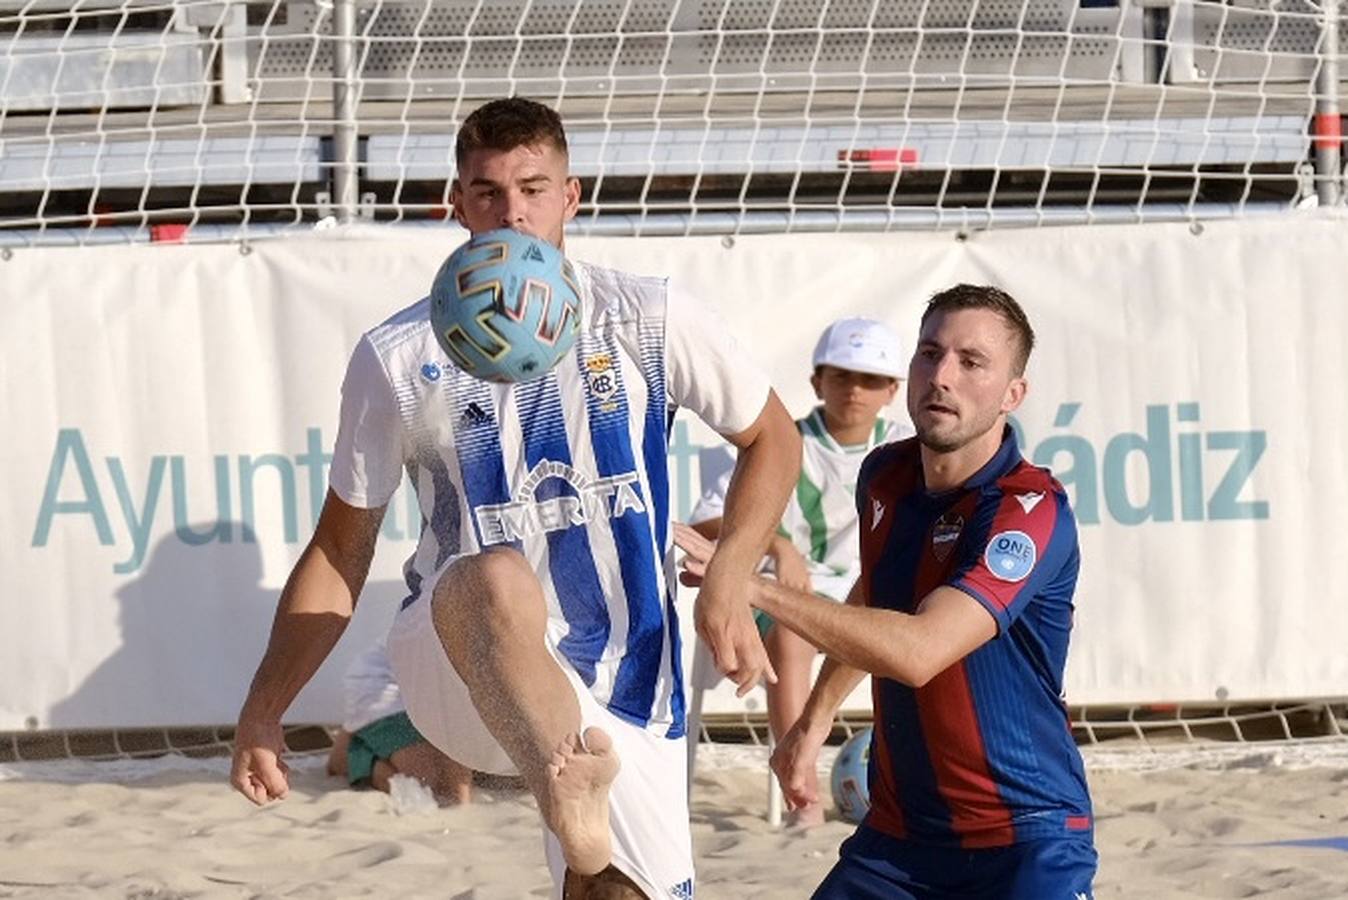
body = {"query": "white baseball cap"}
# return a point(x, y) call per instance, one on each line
point(860, 345)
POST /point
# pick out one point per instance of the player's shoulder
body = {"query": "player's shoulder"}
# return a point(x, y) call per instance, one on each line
point(413, 320)
point(895, 461)
point(1025, 476)
point(406, 338)
point(1030, 486)
point(624, 295)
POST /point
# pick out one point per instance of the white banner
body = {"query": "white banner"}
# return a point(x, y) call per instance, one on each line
point(170, 409)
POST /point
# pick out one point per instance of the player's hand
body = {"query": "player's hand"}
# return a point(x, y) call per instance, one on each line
point(258, 771)
point(722, 615)
point(697, 551)
point(791, 568)
point(795, 760)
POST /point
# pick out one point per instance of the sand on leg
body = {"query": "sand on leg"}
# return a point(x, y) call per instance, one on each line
point(490, 614)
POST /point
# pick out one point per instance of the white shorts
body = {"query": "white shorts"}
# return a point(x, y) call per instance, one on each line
point(648, 803)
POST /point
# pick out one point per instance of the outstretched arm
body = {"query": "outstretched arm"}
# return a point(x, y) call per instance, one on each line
point(314, 609)
point(912, 649)
point(767, 467)
point(788, 564)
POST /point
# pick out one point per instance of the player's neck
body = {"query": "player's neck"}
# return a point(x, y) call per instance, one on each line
point(949, 470)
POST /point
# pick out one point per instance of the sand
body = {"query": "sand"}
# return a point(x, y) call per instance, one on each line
point(1192, 824)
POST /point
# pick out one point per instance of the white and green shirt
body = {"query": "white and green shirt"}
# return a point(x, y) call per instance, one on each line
point(820, 519)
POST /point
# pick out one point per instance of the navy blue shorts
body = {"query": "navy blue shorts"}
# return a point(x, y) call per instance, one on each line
point(875, 866)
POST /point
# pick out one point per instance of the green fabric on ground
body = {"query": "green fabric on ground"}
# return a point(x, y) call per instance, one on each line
point(378, 740)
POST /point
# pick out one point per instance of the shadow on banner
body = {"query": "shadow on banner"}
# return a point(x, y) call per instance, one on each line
point(193, 627)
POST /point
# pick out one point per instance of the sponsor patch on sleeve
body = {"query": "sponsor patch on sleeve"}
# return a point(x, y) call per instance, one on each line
point(1010, 555)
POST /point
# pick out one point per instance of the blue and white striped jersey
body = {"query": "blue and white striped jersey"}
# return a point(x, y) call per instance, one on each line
point(570, 469)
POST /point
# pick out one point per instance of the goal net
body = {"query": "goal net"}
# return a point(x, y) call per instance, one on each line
point(125, 120)
point(230, 120)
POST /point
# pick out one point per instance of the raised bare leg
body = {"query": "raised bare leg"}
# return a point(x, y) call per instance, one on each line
point(490, 614)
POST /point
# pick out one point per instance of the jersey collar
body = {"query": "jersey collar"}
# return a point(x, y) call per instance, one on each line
point(1004, 460)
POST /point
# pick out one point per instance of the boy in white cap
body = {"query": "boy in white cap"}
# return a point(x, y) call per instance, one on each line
point(858, 366)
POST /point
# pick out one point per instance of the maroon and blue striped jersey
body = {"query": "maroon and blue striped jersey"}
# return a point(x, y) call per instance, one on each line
point(982, 755)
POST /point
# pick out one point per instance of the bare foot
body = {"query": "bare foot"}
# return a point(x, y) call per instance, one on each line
point(578, 780)
point(806, 816)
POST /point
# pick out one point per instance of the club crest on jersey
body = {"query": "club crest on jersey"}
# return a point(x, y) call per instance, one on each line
point(587, 500)
point(431, 372)
point(877, 513)
point(601, 377)
point(944, 534)
point(1010, 555)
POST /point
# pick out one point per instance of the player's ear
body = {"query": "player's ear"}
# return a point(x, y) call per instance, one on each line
point(571, 197)
point(1015, 394)
point(456, 202)
point(814, 383)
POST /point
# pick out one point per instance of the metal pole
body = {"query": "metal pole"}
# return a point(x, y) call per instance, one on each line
point(345, 77)
point(1328, 130)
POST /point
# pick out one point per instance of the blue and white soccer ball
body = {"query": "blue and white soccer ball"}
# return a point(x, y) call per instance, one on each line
point(851, 787)
point(505, 306)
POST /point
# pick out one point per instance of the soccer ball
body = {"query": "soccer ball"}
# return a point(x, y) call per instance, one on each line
point(505, 306)
point(851, 789)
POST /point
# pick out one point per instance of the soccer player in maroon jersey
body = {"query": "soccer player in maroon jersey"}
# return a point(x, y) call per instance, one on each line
point(962, 615)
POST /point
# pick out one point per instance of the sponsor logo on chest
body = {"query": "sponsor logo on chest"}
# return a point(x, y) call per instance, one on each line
point(584, 500)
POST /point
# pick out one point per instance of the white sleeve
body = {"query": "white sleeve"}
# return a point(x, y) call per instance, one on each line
point(367, 461)
point(707, 372)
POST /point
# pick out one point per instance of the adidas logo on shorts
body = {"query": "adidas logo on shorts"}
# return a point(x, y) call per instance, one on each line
point(682, 891)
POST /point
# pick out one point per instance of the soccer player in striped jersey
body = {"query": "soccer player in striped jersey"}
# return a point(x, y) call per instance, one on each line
point(962, 615)
point(857, 369)
point(539, 633)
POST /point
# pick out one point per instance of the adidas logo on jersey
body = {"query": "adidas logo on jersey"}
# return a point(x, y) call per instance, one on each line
point(473, 415)
point(683, 890)
point(877, 513)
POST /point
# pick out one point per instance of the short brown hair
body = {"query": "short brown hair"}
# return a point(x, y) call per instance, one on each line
point(983, 296)
point(506, 124)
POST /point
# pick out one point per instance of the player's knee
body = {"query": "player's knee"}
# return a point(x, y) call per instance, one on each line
point(487, 598)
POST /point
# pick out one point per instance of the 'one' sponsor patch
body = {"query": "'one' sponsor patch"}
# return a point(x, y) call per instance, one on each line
point(1010, 555)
